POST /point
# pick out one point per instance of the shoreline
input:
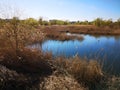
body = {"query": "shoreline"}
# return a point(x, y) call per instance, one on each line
point(82, 29)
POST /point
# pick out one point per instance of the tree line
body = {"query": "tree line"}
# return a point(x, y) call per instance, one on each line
point(34, 22)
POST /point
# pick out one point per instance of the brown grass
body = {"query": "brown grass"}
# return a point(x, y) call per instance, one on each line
point(113, 83)
point(87, 73)
point(60, 82)
point(56, 33)
point(81, 29)
point(62, 37)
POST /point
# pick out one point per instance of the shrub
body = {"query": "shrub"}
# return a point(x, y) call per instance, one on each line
point(26, 61)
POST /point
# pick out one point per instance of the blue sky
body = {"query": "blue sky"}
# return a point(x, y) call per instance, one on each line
point(69, 9)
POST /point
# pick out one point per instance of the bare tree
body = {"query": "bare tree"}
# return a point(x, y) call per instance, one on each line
point(16, 32)
point(11, 15)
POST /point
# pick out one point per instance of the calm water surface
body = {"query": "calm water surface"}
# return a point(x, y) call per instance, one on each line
point(103, 48)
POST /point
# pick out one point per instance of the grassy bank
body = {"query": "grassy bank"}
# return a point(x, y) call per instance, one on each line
point(56, 33)
point(80, 29)
point(30, 66)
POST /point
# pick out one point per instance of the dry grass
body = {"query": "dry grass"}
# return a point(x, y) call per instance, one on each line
point(61, 83)
point(87, 73)
point(63, 36)
point(82, 29)
point(113, 83)
point(54, 32)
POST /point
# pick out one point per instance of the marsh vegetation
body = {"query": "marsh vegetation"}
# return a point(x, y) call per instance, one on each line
point(27, 68)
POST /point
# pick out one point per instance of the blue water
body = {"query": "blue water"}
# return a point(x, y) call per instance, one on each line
point(102, 48)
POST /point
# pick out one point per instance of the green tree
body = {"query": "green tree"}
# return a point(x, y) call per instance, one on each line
point(45, 23)
point(66, 22)
point(1, 22)
point(109, 23)
point(98, 22)
point(40, 21)
point(31, 22)
point(53, 22)
point(86, 22)
point(118, 21)
point(57, 22)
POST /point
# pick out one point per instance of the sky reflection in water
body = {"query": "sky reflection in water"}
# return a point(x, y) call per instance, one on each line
point(104, 48)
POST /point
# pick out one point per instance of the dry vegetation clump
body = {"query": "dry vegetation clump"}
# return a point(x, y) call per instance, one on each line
point(21, 33)
point(87, 73)
point(11, 80)
point(61, 82)
point(63, 36)
point(113, 83)
point(59, 33)
point(26, 61)
point(34, 36)
point(82, 29)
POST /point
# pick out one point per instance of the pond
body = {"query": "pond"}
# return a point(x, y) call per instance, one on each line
point(105, 49)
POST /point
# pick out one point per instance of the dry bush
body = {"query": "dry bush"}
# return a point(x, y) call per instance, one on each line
point(21, 34)
point(26, 61)
point(11, 80)
point(88, 73)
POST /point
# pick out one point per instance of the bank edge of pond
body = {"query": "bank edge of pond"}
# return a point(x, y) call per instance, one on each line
point(58, 32)
point(31, 73)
